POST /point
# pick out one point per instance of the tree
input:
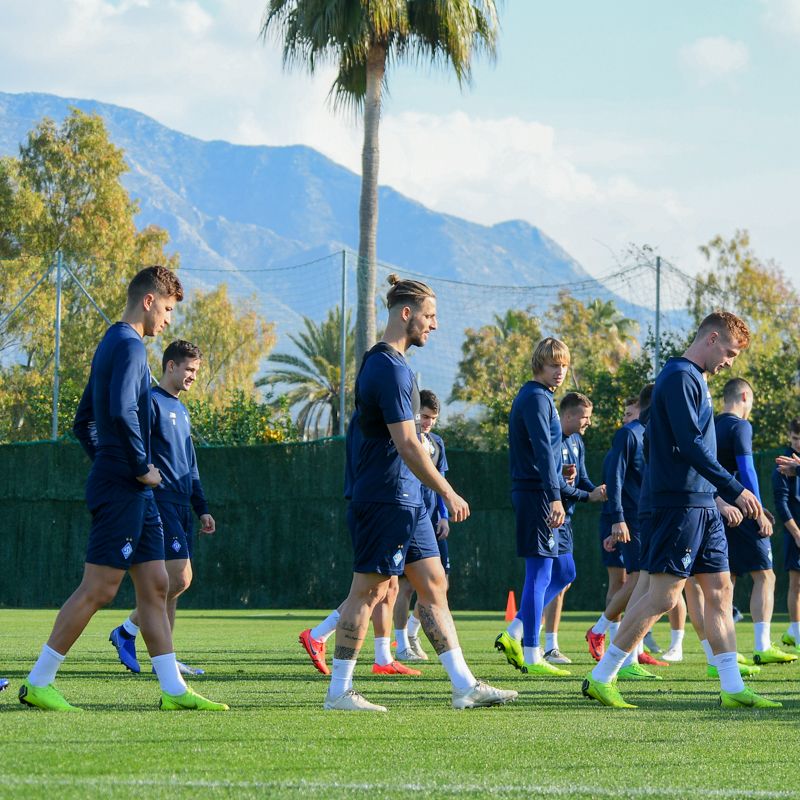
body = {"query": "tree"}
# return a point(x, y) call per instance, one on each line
point(315, 374)
point(233, 337)
point(496, 361)
point(361, 37)
point(759, 292)
point(63, 194)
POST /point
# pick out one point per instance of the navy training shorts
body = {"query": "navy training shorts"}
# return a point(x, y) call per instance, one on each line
point(614, 558)
point(534, 536)
point(178, 523)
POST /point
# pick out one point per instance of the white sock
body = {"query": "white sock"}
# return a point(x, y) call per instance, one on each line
point(413, 626)
point(602, 625)
point(676, 638)
point(761, 630)
point(514, 629)
point(383, 653)
point(550, 641)
point(794, 631)
point(632, 657)
point(612, 631)
point(730, 679)
point(708, 651)
point(401, 637)
point(326, 627)
point(341, 676)
point(169, 677)
point(609, 665)
point(46, 666)
point(533, 655)
point(130, 628)
point(457, 669)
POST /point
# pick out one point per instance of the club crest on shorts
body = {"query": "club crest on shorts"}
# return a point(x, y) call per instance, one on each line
point(397, 558)
point(686, 560)
point(176, 545)
point(127, 550)
point(551, 542)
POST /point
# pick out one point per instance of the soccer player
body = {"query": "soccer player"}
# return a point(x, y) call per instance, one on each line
point(391, 531)
point(749, 545)
point(179, 492)
point(687, 535)
point(534, 438)
point(407, 628)
point(575, 412)
point(112, 424)
point(623, 470)
point(786, 490)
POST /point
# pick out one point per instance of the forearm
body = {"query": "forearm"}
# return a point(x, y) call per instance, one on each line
point(420, 464)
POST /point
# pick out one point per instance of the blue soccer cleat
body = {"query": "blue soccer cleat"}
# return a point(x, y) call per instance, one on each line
point(3, 684)
point(126, 648)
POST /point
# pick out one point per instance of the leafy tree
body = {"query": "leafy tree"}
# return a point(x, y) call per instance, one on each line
point(63, 194)
point(315, 374)
point(233, 337)
point(361, 38)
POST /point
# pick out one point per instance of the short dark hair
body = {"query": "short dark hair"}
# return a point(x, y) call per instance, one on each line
point(734, 388)
point(633, 400)
point(180, 351)
point(646, 396)
point(574, 400)
point(429, 400)
point(155, 280)
point(794, 425)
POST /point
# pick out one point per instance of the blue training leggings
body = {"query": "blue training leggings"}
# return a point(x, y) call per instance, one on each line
point(544, 579)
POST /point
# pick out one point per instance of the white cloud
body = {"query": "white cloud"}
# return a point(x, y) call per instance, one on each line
point(713, 57)
point(783, 17)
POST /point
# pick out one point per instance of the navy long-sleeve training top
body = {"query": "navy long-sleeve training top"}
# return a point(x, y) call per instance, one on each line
point(174, 454)
point(786, 492)
point(645, 506)
point(623, 469)
point(735, 449)
point(534, 441)
point(682, 463)
point(112, 422)
point(573, 451)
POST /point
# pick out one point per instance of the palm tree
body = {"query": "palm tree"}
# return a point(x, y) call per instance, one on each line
point(315, 373)
point(361, 37)
point(607, 318)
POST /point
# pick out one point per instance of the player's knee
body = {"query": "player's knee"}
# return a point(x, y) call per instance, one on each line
point(178, 584)
point(101, 594)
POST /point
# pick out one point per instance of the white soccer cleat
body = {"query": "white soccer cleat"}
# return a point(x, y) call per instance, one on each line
point(555, 656)
point(351, 700)
point(408, 655)
point(481, 695)
point(415, 646)
point(673, 654)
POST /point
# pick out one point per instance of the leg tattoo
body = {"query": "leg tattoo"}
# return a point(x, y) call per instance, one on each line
point(437, 622)
point(349, 638)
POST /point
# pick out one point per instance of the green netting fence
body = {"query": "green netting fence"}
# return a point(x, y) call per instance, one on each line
point(282, 540)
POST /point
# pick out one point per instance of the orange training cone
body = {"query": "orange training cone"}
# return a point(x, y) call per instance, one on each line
point(511, 607)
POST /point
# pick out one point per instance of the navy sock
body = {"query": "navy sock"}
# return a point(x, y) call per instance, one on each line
point(537, 578)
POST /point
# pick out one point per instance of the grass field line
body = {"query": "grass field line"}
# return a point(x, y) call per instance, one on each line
point(438, 788)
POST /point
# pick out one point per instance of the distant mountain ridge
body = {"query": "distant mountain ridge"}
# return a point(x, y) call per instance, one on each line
point(232, 210)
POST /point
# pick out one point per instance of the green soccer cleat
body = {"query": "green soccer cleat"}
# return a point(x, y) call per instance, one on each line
point(773, 655)
point(740, 659)
point(605, 693)
point(789, 640)
point(189, 701)
point(746, 699)
point(745, 670)
point(511, 649)
point(544, 669)
point(636, 672)
point(44, 697)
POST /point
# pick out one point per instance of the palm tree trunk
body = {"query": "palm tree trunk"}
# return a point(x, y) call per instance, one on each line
point(368, 206)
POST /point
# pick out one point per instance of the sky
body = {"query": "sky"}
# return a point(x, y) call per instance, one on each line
point(603, 124)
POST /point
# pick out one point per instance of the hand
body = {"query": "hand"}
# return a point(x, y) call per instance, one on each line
point(770, 516)
point(207, 524)
point(787, 465)
point(151, 478)
point(748, 504)
point(731, 515)
point(457, 506)
point(557, 514)
point(620, 533)
point(569, 471)
point(609, 544)
point(598, 494)
point(764, 526)
point(442, 528)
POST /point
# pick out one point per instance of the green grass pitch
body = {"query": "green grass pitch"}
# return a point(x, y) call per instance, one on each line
point(277, 741)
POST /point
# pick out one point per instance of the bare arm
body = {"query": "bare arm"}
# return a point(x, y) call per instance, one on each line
point(416, 458)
